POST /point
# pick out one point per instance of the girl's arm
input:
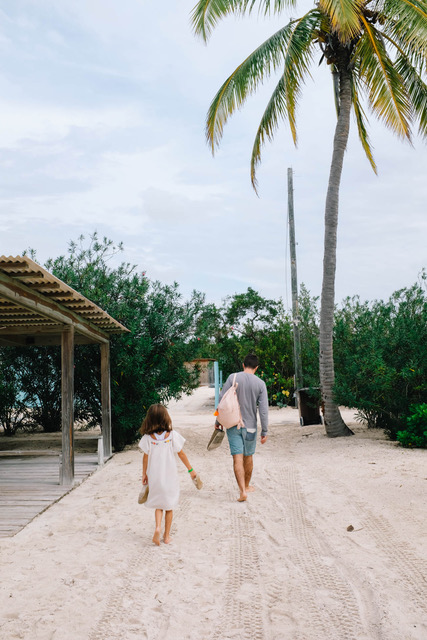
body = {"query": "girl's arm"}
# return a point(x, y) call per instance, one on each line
point(183, 457)
point(144, 469)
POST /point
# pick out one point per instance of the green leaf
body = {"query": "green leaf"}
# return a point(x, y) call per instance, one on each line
point(406, 20)
point(275, 112)
point(207, 13)
point(244, 81)
point(298, 58)
point(344, 16)
point(361, 127)
point(386, 92)
point(417, 91)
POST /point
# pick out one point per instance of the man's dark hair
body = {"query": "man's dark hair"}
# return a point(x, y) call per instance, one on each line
point(251, 361)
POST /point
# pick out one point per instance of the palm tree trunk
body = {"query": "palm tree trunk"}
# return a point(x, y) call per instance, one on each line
point(334, 424)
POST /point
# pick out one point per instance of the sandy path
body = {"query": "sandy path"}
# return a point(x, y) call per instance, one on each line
point(280, 567)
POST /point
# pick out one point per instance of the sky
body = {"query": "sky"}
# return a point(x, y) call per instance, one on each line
point(102, 114)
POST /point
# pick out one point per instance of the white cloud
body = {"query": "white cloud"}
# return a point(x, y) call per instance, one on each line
point(102, 126)
point(49, 124)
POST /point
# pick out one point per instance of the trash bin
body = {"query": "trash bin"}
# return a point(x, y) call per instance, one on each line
point(309, 408)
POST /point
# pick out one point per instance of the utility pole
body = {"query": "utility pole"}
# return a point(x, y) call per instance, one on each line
point(294, 285)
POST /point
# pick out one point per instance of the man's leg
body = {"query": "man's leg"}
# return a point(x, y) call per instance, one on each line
point(239, 472)
point(248, 465)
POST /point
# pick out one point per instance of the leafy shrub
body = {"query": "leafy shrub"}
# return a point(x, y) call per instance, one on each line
point(280, 389)
point(148, 364)
point(40, 379)
point(381, 357)
point(12, 410)
point(248, 323)
point(415, 434)
point(309, 317)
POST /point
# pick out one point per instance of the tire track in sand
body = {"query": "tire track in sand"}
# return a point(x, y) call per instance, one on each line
point(242, 614)
point(410, 570)
point(321, 593)
point(402, 564)
point(137, 606)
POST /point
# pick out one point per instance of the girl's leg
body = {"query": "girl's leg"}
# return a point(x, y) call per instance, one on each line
point(158, 515)
point(168, 524)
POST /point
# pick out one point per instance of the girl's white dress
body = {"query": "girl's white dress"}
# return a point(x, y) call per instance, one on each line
point(162, 471)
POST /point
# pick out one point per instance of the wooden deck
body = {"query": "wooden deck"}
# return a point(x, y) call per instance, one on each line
point(29, 484)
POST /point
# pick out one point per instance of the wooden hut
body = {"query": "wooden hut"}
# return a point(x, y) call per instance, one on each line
point(38, 309)
point(205, 366)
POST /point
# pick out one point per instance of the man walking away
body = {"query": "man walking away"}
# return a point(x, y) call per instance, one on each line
point(252, 394)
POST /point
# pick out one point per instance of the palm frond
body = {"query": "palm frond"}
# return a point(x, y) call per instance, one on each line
point(361, 125)
point(244, 80)
point(207, 13)
point(386, 91)
point(411, 54)
point(275, 112)
point(417, 90)
point(283, 101)
point(274, 6)
point(406, 22)
point(344, 16)
point(298, 58)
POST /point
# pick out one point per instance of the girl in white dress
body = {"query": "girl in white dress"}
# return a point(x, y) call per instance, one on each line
point(159, 444)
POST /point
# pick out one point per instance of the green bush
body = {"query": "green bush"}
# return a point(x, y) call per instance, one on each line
point(381, 357)
point(148, 364)
point(248, 323)
point(12, 409)
point(280, 389)
point(415, 434)
point(309, 317)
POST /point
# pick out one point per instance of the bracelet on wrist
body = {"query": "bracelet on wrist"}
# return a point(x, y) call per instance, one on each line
point(190, 470)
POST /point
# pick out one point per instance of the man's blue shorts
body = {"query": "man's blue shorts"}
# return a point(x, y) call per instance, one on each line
point(238, 443)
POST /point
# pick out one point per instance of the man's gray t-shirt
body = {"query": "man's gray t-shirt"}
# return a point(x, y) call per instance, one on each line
point(251, 392)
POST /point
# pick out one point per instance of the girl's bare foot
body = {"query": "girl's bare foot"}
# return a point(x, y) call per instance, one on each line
point(167, 539)
point(242, 497)
point(156, 537)
point(250, 489)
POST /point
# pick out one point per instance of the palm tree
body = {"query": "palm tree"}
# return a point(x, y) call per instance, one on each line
point(376, 49)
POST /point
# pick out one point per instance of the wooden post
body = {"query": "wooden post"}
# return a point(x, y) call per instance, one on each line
point(216, 378)
point(106, 399)
point(294, 282)
point(100, 451)
point(67, 402)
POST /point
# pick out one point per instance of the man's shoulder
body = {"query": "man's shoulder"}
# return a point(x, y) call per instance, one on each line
point(250, 378)
point(230, 378)
point(261, 383)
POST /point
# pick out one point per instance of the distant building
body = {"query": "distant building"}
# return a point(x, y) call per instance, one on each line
point(205, 366)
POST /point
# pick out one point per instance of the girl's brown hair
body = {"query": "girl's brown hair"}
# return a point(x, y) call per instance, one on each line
point(157, 419)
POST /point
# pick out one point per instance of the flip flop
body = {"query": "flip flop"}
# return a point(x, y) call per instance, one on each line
point(198, 482)
point(143, 495)
point(216, 438)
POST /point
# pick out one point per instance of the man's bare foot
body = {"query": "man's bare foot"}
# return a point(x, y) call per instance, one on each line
point(156, 537)
point(242, 497)
point(167, 539)
point(250, 489)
